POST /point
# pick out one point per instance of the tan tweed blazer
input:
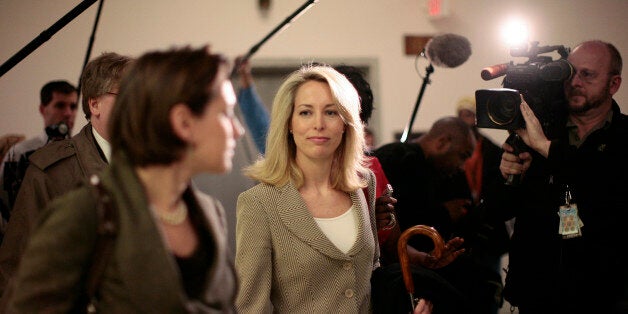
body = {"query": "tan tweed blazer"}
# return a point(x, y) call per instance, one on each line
point(287, 265)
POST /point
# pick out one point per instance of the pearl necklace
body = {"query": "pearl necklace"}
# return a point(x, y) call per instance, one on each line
point(175, 217)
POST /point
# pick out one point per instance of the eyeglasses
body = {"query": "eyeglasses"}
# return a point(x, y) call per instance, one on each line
point(588, 76)
point(112, 93)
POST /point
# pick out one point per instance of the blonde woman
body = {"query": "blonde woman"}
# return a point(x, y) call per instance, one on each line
point(306, 236)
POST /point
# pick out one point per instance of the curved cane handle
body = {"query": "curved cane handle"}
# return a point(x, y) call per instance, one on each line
point(402, 250)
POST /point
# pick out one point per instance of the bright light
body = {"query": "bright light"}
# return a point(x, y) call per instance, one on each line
point(515, 33)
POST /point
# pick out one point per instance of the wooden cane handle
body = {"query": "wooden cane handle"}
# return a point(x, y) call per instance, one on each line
point(402, 250)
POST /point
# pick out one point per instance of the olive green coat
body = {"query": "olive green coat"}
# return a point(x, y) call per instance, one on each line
point(141, 276)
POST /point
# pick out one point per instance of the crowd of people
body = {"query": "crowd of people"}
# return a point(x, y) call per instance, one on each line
point(108, 219)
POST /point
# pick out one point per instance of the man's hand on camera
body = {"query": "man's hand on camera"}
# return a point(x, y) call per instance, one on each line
point(512, 164)
point(533, 134)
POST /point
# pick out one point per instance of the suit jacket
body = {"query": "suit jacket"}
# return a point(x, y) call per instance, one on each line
point(141, 276)
point(54, 170)
point(286, 264)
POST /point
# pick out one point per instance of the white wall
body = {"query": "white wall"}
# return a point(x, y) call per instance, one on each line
point(372, 29)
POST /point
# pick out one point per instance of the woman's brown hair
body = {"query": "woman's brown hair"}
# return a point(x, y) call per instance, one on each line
point(140, 123)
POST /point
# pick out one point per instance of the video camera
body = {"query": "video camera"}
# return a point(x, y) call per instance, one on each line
point(540, 80)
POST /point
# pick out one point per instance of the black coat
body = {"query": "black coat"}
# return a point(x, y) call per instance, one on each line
point(588, 273)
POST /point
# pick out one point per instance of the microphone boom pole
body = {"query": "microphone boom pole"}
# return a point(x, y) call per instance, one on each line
point(44, 36)
point(426, 80)
point(447, 50)
point(90, 45)
point(280, 27)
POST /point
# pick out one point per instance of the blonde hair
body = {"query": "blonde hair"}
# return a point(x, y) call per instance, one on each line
point(465, 103)
point(279, 165)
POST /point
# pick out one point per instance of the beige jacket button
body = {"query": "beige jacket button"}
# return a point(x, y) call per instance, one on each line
point(349, 293)
point(346, 266)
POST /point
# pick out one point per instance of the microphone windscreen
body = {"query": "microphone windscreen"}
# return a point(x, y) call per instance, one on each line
point(448, 50)
point(63, 128)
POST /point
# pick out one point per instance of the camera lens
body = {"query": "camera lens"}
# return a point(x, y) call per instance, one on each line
point(503, 108)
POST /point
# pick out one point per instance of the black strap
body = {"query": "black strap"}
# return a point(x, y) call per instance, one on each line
point(107, 230)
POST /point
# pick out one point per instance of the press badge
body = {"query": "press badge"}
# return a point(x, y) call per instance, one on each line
point(570, 223)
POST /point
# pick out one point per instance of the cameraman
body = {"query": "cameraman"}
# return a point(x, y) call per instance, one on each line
point(584, 171)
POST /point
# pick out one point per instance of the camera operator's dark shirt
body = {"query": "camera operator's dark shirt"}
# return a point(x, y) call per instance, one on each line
point(572, 130)
point(584, 274)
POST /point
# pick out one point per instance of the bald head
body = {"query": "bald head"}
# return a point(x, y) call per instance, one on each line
point(449, 126)
point(448, 143)
point(606, 51)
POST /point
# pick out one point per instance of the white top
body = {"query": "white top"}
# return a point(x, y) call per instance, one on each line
point(342, 231)
point(18, 150)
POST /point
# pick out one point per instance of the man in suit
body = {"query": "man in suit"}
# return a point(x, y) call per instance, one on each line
point(63, 165)
point(58, 104)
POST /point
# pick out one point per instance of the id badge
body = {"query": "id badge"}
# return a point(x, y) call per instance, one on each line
point(570, 223)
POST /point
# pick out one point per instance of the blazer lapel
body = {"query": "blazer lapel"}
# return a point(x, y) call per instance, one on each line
point(362, 219)
point(294, 214)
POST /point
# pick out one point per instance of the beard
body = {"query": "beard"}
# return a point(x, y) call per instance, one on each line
point(590, 102)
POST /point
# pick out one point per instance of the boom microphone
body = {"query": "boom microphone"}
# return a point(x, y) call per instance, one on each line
point(448, 50)
point(57, 131)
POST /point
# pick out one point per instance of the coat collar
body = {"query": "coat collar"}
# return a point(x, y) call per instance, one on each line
point(87, 148)
point(295, 216)
point(147, 267)
point(83, 145)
